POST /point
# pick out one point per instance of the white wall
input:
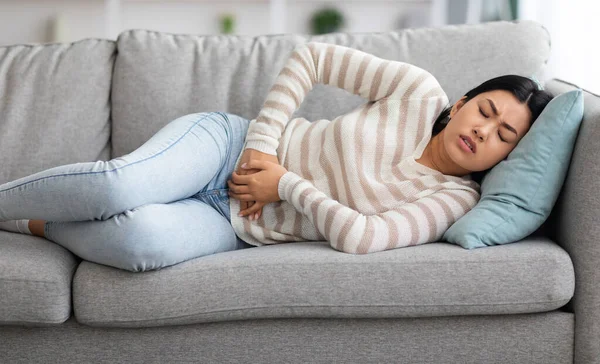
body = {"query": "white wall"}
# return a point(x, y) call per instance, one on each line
point(572, 24)
point(574, 28)
point(23, 21)
point(252, 18)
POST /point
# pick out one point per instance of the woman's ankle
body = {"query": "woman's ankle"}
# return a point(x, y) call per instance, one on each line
point(37, 227)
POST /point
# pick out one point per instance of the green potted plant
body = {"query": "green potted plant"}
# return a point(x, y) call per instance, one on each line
point(327, 20)
point(227, 23)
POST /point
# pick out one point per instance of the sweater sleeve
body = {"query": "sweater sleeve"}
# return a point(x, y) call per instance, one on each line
point(347, 68)
point(347, 230)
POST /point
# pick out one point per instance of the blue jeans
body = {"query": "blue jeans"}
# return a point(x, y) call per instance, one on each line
point(164, 203)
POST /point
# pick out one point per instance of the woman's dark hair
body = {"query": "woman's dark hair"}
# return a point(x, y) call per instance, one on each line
point(525, 89)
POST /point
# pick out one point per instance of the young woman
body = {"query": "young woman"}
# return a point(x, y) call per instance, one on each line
point(396, 171)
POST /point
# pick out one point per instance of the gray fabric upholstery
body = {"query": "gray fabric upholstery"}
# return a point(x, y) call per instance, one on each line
point(541, 338)
point(54, 105)
point(312, 280)
point(54, 109)
point(160, 76)
point(574, 225)
point(35, 281)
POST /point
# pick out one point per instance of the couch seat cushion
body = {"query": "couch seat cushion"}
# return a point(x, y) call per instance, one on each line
point(309, 279)
point(35, 280)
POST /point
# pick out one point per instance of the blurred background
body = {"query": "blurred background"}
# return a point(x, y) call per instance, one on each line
point(572, 24)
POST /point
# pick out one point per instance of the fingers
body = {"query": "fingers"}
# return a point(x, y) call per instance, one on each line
point(243, 171)
point(241, 179)
point(241, 197)
point(238, 188)
point(253, 210)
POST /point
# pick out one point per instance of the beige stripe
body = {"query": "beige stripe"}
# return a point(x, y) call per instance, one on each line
point(393, 188)
point(251, 229)
point(444, 205)
point(297, 220)
point(327, 64)
point(420, 123)
point(393, 232)
point(421, 186)
point(295, 185)
point(287, 91)
point(302, 197)
point(367, 239)
point(423, 115)
point(376, 83)
point(471, 184)
point(414, 230)
point(305, 192)
point(360, 74)
point(305, 156)
point(305, 152)
point(439, 106)
point(274, 123)
point(341, 242)
point(306, 66)
point(269, 234)
point(297, 225)
point(367, 188)
point(416, 83)
point(326, 166)
point(381, 128)
point(294, 124)
point(313, 51)
point(401, 132)
point(294, 76)
point(431, 222)
point(329, 217)
point(259, 234)
point(437, 92)
point(344, 68)
point(337, 134)
point(466, 206)
point(314, 55)
point(399, 76)
point(279, 211)
point(421, 130)
point(314, 209)
point(279, 107)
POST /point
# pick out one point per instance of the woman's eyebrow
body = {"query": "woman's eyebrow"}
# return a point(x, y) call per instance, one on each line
point(502, 121)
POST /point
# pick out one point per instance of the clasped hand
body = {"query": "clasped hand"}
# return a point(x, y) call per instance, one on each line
point(257, 181)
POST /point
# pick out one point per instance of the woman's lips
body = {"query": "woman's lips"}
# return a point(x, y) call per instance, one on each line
point(464, 145)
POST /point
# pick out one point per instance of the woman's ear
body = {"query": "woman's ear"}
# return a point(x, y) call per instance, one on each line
point(457, 106)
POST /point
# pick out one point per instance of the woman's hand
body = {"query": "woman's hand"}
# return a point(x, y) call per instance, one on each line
point(247, 155)
point(261, 187)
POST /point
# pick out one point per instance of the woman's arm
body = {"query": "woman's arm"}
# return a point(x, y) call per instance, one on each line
point(349, 231)
point(355, 71)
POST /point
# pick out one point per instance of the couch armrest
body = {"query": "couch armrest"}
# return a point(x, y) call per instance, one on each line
point(575, 225)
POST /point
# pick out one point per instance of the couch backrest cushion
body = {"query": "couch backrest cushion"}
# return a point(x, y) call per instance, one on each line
point(161, 76)
point(54, 105)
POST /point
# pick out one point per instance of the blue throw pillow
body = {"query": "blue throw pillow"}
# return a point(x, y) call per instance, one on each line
point(518, 194)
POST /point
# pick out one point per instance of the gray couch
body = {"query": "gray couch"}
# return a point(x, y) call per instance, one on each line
point(96, 99)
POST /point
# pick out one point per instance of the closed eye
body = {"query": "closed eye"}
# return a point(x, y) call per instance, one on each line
point(481, 112)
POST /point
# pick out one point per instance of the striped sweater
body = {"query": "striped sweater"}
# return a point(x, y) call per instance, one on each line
point(354, 181)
